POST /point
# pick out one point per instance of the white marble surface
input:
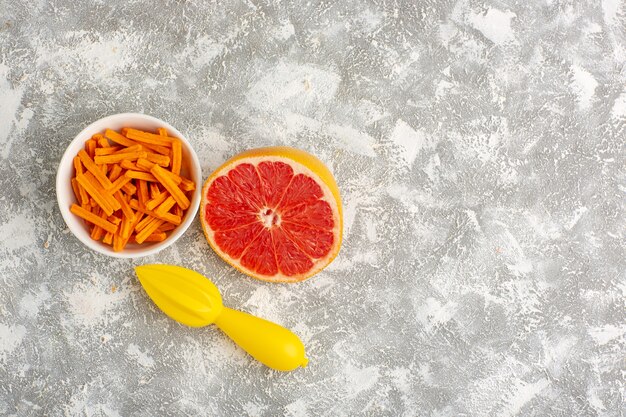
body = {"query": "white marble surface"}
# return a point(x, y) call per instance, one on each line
point(479, 147)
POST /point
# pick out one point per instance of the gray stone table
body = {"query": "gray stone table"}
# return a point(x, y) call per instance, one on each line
point(479, 148)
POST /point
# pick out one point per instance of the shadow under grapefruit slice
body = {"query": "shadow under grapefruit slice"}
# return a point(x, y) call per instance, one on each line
point(273, 213)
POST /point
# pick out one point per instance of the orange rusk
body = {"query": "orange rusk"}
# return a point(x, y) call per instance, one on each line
point(118, 193)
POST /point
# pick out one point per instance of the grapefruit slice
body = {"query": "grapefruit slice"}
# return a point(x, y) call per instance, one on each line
point(273, 213)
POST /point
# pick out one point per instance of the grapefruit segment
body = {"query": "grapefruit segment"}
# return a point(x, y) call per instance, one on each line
point(222, 217)
point(235, 241)
point(273, 213)
point(259, 255)
point(316, 215)
point(246, 178)
point(314, 242)
point(302, 190)
point(275, 178)
point(291, 260)
point(224, 191)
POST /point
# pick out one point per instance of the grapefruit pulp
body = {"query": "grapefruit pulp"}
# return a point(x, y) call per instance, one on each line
point(273, 213)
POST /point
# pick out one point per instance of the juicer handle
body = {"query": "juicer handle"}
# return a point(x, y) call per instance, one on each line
point(267, 342)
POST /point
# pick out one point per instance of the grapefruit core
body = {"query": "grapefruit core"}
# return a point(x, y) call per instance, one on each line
point(273, 213)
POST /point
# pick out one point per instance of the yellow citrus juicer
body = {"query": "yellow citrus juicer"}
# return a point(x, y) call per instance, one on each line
point(193, 300)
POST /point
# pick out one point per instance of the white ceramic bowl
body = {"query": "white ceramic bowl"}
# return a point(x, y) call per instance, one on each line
point(65, 172)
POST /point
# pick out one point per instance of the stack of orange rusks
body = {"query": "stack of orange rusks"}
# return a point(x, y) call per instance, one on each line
point(128, 186)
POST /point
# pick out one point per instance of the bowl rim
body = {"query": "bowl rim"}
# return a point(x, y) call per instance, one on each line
point(64, 198)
